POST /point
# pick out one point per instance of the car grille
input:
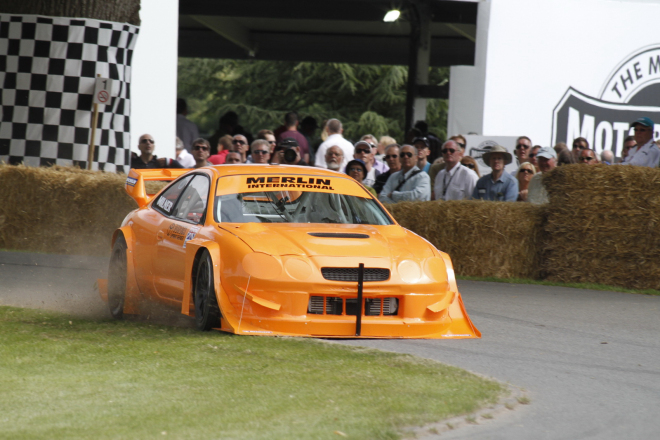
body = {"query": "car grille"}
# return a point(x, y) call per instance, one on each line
point(351, 274)
point(348, 306)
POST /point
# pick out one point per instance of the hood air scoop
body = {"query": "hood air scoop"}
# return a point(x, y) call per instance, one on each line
point(337, 235)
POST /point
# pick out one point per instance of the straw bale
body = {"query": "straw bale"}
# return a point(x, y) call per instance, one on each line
point(483, 238)
point(60, 209)
point(603, 225)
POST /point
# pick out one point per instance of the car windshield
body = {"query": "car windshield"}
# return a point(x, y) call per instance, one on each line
point(298, 207)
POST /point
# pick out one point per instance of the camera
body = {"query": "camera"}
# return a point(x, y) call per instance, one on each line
point(290, 154)
point(288, 145)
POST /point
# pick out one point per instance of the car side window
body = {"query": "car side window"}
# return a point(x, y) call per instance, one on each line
point(167, 200)
point(192, 203)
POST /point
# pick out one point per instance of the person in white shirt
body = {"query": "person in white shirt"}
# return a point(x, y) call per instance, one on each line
point(335, 139)
point(547, 159)
point(408, 184)
point(647, 153)
point(182, 156)
point(455, 181)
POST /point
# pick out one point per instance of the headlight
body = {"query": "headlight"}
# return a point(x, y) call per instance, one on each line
point(260, 265)
point(409, 271)
point(298, 268)
point(436, 269)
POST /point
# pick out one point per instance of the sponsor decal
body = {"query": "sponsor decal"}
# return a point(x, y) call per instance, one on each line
point(190, 235)
point(289, 182)
point(164, 204)
point(131, 181)
point(632, 90)
point(176, 232)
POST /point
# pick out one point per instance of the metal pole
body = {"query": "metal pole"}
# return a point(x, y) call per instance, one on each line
point(411, 90)
point(358, 320)
point(92, 141)
point(90, 153)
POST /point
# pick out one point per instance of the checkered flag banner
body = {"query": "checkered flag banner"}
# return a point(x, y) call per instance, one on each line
point(48, 70)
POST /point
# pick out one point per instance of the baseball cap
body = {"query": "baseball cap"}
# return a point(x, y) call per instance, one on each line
point(357, 162)
point(547, 152)
point(421, 139)
point(288, 143)
point(365, 143)
point(646, 122)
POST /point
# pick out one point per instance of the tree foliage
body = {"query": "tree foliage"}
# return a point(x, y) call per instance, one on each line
point(366, 98)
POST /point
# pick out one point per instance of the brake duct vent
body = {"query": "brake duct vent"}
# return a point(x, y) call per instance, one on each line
point(349, 306)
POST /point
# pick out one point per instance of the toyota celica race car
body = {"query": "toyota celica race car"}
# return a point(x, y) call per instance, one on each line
point(279, 250)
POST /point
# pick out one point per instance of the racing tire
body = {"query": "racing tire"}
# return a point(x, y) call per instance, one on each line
point(117, 278)
point(207, 312)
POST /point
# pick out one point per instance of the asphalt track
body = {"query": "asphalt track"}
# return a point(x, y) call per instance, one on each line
point(589, 361)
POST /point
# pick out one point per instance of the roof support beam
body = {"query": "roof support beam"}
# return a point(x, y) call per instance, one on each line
point(231, 30)
point(419, 61)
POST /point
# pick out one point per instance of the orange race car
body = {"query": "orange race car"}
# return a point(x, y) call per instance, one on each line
point(280, 250)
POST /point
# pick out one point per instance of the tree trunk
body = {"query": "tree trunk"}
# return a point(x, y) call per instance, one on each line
point(122, 11)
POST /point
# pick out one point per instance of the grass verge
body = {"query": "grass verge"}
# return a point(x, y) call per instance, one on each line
point(68, 378)
point(590, 286)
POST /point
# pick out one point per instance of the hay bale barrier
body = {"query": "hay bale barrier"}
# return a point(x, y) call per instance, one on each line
point(483, 238)
point(60, 210)
point(603, 226)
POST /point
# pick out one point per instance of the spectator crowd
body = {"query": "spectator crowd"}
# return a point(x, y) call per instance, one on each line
point(419, 169)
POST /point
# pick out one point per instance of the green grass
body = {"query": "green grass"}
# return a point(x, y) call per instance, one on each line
point(68, 378)
point(590, 286)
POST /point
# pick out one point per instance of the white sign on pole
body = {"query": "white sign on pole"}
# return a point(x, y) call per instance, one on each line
point(102, 90)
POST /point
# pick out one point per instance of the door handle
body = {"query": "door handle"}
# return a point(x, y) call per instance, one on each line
point(160, 235)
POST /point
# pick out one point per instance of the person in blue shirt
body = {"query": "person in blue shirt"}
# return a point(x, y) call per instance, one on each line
point(423, 151)
point(498, 185)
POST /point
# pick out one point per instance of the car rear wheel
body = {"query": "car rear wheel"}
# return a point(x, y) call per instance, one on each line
point(207, 312)
point(117, 278)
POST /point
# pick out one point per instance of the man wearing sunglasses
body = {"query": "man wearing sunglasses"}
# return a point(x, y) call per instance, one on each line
point(455, 181)
point(392, 159)
point(579, 144)
point(588, 157)
point(408, 184)
point(240, 145)
point(523, 147)
point(260, 150)
point(647, 153)
point(201, 150)
point(364, 152)
point(147, 159)
point(531, 157)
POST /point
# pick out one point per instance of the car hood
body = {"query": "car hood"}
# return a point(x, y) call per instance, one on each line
point(320, 240)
